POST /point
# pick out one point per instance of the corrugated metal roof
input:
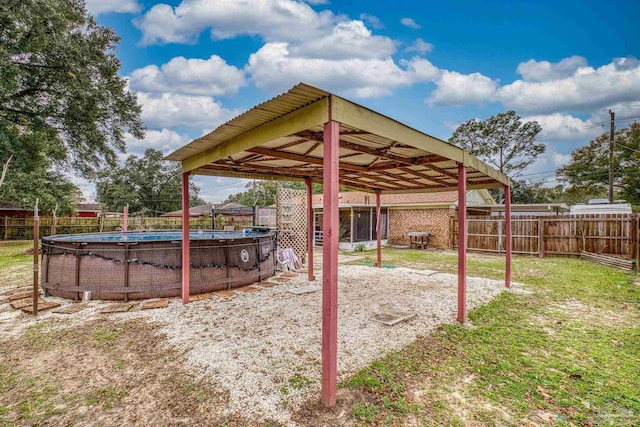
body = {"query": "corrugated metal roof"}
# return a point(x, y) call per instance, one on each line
point(368, 160)
point(297, 97)
point(614, 208)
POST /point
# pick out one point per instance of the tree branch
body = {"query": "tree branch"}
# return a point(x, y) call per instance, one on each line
point(5, 167)
point(32, 65)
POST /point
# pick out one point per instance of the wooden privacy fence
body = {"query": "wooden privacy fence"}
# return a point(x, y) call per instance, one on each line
point(12, 228)
point(613, 234)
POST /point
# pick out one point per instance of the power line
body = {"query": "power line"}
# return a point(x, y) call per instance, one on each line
point(627, 147)
point(604, 123)
point(629, 120)
point(537, 173)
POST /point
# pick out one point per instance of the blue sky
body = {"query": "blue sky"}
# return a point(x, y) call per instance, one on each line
point(197, 63)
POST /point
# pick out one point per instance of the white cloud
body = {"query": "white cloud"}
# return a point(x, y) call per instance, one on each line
point(586, 90)
point(372, 20)
point(565, 127)
point(281, 20)
point(87, 187)
point(538, 71)
point(623, 111)
point(347, 40)
point(311, 34)
point(215, 189)
point(421, 70)
point(420, 46)
point(171, 110)
point(301, 45)
point(274, 66)
point(455, 89)
point(96, 7)
point(212, 77)
point(409, 22)
point(164, 140)
point(543, 169)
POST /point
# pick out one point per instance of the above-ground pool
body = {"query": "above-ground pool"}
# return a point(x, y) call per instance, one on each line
point(138, 265)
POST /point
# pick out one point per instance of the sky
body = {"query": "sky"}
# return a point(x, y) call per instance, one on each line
point(196, 64)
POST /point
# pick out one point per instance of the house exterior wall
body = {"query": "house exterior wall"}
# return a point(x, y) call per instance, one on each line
point(15, 213)
point(87, 214)
point(435, 221)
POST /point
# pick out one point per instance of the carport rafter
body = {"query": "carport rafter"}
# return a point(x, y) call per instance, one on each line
point(382, 153)
point(263, 133)
point(296, 172)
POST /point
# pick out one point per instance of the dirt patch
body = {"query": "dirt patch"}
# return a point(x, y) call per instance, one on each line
point(439, 400)
point(315, 414)
point(625, 315)
point(103, 374)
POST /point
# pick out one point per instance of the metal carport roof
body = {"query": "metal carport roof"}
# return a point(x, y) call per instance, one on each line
point(282, 139)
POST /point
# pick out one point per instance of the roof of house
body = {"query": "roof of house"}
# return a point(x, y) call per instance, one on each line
point(613, 208)
point(10, 206)
point(88, 207)
point(194, 211)
point(229, 208)
point(354, 198)
point(526, 207)
point(83, 207)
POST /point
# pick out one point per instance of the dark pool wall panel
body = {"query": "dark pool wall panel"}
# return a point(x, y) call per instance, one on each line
point(140, 270)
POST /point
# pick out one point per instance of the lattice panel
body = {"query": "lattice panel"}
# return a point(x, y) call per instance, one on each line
point(291, 211)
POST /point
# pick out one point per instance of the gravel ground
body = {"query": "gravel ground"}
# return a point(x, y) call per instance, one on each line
point(265, 346)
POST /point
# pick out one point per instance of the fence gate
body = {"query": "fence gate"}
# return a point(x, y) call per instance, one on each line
point(291, 215)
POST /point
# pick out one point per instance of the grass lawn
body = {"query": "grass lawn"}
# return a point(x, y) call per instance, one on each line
point(566, 352)
point(15, 266)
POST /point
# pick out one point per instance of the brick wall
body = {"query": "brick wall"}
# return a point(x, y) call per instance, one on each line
point(435, 221)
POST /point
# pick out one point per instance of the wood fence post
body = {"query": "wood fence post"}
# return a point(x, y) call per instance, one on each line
point(499, 245)
point(541, 237)
point(633, 225)
point(581, 241)
point(6, 227)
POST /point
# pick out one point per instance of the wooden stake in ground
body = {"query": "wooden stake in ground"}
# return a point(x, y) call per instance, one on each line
point(36, 244)
point(54, 220)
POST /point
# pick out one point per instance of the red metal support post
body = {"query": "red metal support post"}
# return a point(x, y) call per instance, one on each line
point(378, 231)
point(507, 221)
point(330, 230)
point(186, 262)
point(125, 218)
point(310, 230)
point(462, 243)
point(36, 264)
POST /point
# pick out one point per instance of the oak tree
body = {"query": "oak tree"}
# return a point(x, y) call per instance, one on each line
point(588, 169)
point(60, 83)
point(147, 184)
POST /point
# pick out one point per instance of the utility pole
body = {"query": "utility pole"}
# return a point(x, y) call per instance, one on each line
point(611, 131)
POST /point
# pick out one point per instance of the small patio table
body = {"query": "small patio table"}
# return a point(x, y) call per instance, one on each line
point(419, 240)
